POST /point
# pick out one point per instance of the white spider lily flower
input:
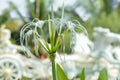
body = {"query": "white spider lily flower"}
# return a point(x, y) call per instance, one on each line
point(56, 31)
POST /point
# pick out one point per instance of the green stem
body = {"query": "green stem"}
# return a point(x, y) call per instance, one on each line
point(37, 8)
point(53, 70)
point(52, 58)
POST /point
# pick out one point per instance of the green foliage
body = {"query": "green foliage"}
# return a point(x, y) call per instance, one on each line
point(24, 78)
point(82, 75)
point(111, 21)
point(37, 9)
point(103, 74)
point(61, 74)
point(4, 17)
point(107, 6)
point(117, 79)
point(12, 25)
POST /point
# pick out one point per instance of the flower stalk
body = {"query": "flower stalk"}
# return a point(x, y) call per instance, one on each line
point(52, 58)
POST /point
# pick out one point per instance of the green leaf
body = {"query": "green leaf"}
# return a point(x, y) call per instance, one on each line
point(82, 75)
point(61, 74)
point(116, 78)
point(58, 43)
point(31, 9)
point(103, 74)
point(25, 78)
point(16, 9)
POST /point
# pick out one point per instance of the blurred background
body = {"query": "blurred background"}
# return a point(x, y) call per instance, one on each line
point(102, 16)
point(91, 13)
